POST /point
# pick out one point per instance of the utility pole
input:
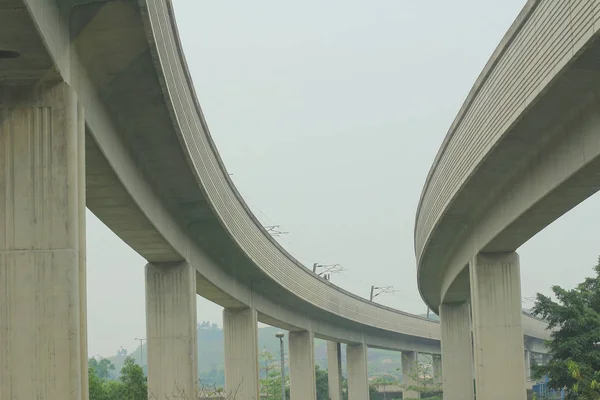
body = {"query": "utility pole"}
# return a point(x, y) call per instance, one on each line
point(280, 336)
point(327, 270)
point(142, 351)
point(381, 290)
point(275, 230)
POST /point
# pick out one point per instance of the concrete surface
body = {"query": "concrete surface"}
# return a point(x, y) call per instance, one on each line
point(153, 174)
point(302, 366)
point(42, 310)
point(240, 328)
point(358, 376)
point(171, 330)
point(535, 154)
point(334, 370)
point(497, 332)
point(436, 368)
point(523, 150)
point(410, 368)
point(457, 351)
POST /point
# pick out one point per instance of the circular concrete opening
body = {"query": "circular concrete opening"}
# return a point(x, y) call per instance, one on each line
point(8, 54)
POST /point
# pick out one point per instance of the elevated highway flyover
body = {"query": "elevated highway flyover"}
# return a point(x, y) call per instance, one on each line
point(523, 150)
point(97, 109)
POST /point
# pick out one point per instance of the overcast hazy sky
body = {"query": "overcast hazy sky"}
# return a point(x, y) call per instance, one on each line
point(329, 115)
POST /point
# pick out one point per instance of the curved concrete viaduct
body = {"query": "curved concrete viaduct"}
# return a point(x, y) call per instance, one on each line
point(98, 110)
point(523, 150)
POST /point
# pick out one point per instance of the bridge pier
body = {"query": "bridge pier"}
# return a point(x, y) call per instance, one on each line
point(43, 342)
point(437, 368)
point(410, 367)
point(497, 326)
point(171, 330)
point(358, 378)
point(240, 328)
point(457, 353)
point(303, 385)
point(527, 357)
point(334, 370)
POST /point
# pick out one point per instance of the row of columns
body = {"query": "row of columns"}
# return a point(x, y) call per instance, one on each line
point(482, 340)
point(172, 352)
point(43, 300)
point(42, 272)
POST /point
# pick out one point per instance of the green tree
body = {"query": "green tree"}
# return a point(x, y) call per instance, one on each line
point(134, 381)
point(104, 368)
point(322, 378)
point(574, 319)
point(270, 387)
point(423, 382)
point(113, 390)
point(96, 385)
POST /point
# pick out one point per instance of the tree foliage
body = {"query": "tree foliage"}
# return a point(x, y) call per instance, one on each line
point(130, 386)
point(423, 382)
point(322, 377)
point(270, 386)
point(575, 339)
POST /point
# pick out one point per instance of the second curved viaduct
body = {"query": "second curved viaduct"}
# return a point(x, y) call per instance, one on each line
point(523, 150)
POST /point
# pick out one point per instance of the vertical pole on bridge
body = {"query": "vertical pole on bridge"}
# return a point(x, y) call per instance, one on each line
point(497, 326)
point(358, 377)
point(334, 370)
point(171, 330)
point(42, 265)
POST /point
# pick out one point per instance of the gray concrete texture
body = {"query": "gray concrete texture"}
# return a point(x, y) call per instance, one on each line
point(171, 330)
point(153, 176)
point(241, 353)
point(525, 138)
point(42, 268)
point(358, 377)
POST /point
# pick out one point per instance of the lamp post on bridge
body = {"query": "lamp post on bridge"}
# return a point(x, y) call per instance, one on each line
point(377, 290)
point(280, 336)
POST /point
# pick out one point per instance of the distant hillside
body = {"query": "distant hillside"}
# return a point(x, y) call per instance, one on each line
point(211, 354)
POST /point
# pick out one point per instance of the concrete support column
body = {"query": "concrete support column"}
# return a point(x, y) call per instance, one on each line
point(457, 353)
point(171, 330)
point(410, 367)
point(303, 384)
point(527, 358)
point(240, 328)
point(43, 347)
point(358, 377)
point(497, 326)
point(436, 368)
point(334, 370)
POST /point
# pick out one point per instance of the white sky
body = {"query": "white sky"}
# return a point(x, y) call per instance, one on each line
point(329, 115)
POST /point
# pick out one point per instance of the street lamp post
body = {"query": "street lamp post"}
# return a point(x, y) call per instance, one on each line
point(280, 336)
point(142, 351)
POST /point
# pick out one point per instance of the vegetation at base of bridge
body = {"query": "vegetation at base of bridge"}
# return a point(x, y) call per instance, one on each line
point(131, 384)
point(574, 346)
point(211, 354)
point(424, 385)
